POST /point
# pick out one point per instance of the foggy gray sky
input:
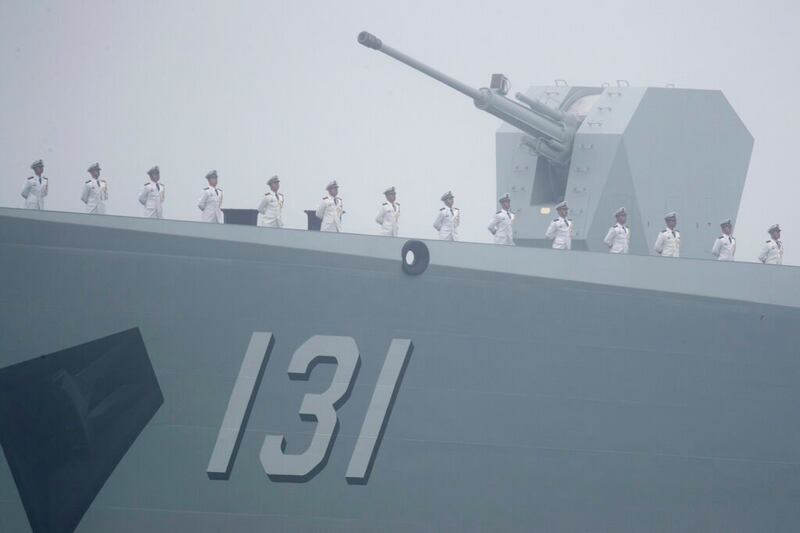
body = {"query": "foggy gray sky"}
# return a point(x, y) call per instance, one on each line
point(257, 88)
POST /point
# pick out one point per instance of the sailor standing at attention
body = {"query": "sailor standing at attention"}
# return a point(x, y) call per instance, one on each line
point(35, 188)
point(271, 206)
point(560, 229)
point(501, 224)
point(725, 246)
point(331, 208)
point(448, 219)
point(772, 252)
point(153, 195)
point(618, 238)
point(389, 214)
point(668, 242)
point(95, 191)
point(210, 202)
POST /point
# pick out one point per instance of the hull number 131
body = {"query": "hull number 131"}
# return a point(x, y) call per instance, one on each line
point(320, 408)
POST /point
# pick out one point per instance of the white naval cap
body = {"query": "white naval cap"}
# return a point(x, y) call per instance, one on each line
point(671, 214)
point(96, 166)
point(212, 174)
point(37, 163)
point(562, 205)
point(620, 211)
point(774, 227)
point(331, 185)
point(726, 222)
point(447, 196)
point(153, 171)
point(504, 198)
point(390, 190)
point(273, 179)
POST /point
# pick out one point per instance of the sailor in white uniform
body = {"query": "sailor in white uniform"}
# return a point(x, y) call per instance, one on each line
point(724, 248)
point(560, 229)
point(271, 206)
point(210, 203)
point(35, 188)
point(668, 242)
point(330, 209)
point(448, 219)
point(772, 252)
point(95, 191)
point(153, 195)
point(388, 217)
point(501, 224)
point(618, 238)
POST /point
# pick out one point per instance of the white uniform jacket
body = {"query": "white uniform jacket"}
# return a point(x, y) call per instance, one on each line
point(560, 232)
point(501, 226)
point(330, 213)
point(271, 209)
point(668, 243)
point(94, 195)
point(447, 222)
point(210, 205)
point(388, 217)
point(772, 253)
point(618, 239)
point(34, 191)
point(152, 198)
point(724, 248)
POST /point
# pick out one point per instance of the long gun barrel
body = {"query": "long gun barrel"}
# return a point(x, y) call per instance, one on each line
point(552, 131)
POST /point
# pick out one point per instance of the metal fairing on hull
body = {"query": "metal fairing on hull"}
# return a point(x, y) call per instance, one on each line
point(66, 420)
point(544, 392)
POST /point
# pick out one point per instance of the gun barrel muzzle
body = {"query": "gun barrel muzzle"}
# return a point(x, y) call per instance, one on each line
point(370, 41)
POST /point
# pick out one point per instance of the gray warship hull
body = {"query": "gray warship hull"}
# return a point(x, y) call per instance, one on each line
point(546, 391)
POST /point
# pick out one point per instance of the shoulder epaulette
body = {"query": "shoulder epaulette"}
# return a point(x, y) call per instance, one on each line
point(385, 203)
point(268, 194)
point(769, 241)
point(30, 178)
point(220, 190)
point(555, 220)
point(324, 197)
point(721, 237)
point(206, 188)
point(397, 203)
point(146, 184)
point(87, 181)
point(664, 230)
point(498, 212)
point(442, 208)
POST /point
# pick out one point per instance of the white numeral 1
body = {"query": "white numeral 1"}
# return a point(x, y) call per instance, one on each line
point(369, 438)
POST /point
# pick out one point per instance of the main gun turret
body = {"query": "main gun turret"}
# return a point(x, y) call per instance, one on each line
point(650, 149)
point(550, 131)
